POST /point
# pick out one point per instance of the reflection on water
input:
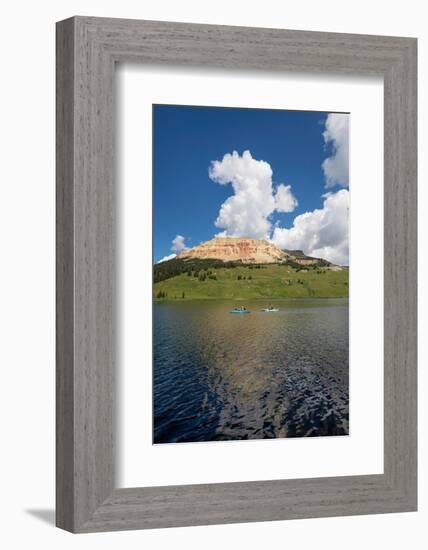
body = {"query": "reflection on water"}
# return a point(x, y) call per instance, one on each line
point(219, 376)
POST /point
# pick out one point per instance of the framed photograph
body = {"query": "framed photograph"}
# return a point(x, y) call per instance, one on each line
point(236, 274)
point(251, 332)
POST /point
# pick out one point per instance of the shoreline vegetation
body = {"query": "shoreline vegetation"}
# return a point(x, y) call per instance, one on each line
point(179, 280)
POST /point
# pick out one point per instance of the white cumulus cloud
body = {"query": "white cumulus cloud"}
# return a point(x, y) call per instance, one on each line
point(178, 244)
point(285, 201)
point(246, 213)
point(322, 233)
point(166, 258)
point(336, 133)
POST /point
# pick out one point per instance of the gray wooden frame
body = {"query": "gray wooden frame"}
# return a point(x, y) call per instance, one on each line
point(87, 50)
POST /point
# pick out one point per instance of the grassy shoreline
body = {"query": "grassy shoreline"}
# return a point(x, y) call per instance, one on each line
point(268, 282)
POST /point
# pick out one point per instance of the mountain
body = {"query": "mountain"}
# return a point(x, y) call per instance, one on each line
point(236, 249)
point(232, 252)
point(242, 268)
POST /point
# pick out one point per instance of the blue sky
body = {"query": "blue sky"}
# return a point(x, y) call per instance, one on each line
point(293, 145)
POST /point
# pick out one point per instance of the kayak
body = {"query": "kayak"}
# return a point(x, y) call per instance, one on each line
point(273, 310)
point(239, 311)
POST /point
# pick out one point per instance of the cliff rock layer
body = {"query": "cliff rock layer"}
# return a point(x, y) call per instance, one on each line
point(236, 249)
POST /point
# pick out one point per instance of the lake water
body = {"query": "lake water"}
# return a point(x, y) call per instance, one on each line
point(219, 376)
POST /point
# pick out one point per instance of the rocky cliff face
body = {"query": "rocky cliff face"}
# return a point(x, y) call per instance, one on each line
point(235, 249)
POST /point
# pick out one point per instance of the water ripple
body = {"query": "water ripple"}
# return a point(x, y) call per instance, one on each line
point(220, 377)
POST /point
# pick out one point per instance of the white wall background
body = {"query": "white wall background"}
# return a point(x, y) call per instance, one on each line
point(27, 272)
